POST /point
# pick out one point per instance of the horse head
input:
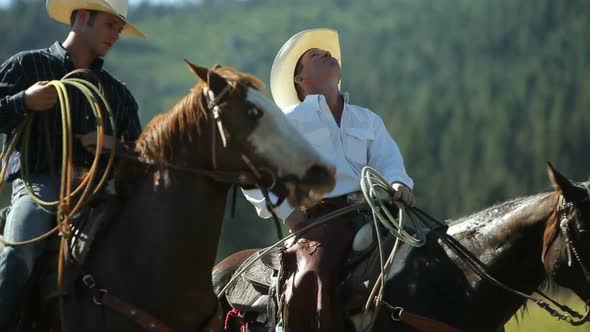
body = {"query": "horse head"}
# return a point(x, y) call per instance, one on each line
point(566, 248)
point(250, 133)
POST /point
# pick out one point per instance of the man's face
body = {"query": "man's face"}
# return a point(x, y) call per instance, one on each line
point(103, 33)
point(318, 66)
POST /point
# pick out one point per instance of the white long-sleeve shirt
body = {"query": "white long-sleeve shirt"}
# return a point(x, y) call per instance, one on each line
point(361, 140)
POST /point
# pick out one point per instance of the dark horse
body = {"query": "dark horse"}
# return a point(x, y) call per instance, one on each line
point(524, 243)
point(155, 257)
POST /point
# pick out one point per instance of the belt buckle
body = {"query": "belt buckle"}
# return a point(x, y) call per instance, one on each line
point(355, 197)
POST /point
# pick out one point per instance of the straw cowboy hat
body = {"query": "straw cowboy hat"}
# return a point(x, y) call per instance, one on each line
point(61, 10)
point(282, 85)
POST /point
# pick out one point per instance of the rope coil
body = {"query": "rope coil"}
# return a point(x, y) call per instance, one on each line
point(65, 212)
point(22, 136)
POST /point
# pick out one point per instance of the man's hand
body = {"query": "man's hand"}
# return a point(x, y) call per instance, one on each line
point(40, 96)
point(403, 193)
point(88, 140)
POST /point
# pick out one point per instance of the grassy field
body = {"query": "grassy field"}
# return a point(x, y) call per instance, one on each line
point(536, 319)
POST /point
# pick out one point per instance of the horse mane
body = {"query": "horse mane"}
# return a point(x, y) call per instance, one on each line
point(175, 128)
point(181, 124)
point(498, 210)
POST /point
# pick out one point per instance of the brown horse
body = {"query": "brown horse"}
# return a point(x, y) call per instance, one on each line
point(151, 268)
point(523, 244)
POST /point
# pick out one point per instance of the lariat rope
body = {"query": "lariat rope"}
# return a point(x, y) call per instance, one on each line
point(23, 135)
point(375, 188)
point(65, 212)
point(377, 192)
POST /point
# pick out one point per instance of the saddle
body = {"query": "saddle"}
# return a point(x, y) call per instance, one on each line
point(257, 293)
point(85, 226)
point(252, 291)
point(259, 287)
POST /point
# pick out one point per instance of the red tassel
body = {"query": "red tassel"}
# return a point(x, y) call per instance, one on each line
point(235, 313)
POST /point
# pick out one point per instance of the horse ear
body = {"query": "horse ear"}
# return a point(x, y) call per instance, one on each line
point(201, 72)
point(564, 186)
point(216, 82)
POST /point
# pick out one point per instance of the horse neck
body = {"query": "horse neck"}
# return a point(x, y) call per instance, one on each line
point(192, 209)
point(174, 230)
point(510, 245)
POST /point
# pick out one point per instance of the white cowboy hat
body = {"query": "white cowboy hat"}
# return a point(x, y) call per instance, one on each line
point(282, 85)
point(61, 10)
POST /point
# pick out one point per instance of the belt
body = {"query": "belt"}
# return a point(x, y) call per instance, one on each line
point(324, 206)
point(335, 203)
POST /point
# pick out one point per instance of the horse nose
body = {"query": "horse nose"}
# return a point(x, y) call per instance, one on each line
point(320, 176)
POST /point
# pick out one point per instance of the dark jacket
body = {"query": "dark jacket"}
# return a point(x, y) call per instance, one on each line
point(25, 69)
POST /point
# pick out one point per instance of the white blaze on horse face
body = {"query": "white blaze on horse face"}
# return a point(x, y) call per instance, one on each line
point(277, 140)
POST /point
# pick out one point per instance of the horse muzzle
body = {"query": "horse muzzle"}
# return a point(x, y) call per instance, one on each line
point(309, 189)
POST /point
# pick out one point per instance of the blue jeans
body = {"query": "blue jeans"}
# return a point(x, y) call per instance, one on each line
point(25, 221)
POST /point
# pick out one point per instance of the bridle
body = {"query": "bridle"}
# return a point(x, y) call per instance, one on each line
point(569, 217)
point(261, 178)
point(256, 174)
point(213, 103)
point(254, 177)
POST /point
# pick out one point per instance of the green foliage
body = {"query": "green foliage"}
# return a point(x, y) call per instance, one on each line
point(535, 319)
point(479, 94)
point(5, 196)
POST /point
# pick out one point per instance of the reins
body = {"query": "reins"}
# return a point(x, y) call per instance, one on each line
point(427, 222)
point(481, 270)
point(377, 191)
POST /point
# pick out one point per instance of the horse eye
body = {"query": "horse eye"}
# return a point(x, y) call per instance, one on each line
point(254, 113)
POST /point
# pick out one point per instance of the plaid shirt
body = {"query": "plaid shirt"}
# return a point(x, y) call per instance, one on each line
point(25, 69)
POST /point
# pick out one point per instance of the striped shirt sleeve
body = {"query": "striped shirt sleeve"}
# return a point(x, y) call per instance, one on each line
point(131, 128)
point(12, 95)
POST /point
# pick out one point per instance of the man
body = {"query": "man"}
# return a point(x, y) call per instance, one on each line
point(24, 92)
point(305, 83)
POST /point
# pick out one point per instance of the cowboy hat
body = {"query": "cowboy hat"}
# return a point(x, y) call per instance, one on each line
point(282, 85)
point(61, 10)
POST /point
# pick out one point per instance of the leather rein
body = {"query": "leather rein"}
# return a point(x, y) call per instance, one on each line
point(567, 210)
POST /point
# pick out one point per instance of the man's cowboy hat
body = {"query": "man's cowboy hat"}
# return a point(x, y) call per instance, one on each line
point(282, 85)
point(61, 10)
